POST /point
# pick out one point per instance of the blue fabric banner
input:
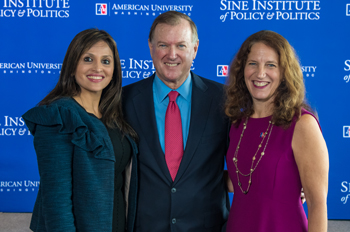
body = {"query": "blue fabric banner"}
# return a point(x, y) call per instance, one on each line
point(36, 34)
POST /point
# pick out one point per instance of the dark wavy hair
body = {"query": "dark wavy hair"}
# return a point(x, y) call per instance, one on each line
point(290, 94)
point(110, 103)
point(173, 18)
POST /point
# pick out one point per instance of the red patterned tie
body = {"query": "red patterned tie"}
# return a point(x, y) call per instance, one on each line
point(174, 148)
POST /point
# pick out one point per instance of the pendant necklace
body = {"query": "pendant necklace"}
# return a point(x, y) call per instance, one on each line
point(253, 167)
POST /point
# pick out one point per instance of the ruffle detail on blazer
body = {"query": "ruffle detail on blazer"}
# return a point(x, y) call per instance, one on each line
point(70, 122)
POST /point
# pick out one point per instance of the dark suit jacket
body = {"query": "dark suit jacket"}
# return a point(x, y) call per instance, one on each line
point(197, 200)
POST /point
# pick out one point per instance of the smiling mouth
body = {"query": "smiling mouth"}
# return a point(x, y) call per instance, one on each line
point(95, 77)
point(260, 83)
point(171, 65)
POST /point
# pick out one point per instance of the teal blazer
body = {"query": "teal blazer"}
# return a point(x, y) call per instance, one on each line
point(76, 167)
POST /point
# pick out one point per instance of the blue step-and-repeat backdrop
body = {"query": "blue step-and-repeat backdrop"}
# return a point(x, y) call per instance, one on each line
point(35, 35)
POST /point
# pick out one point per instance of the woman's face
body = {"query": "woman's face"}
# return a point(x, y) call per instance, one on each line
point(262, 73)
point(95, 68)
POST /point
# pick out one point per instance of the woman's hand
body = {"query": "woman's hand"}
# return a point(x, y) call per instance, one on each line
point(228, 181)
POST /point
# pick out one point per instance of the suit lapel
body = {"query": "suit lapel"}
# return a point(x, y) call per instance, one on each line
point(200, 107)
point(144, 104)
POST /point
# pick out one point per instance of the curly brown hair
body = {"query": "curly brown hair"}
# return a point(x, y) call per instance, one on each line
point(289, 96)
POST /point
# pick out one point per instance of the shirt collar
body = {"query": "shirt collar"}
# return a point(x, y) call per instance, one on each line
point(161, 90)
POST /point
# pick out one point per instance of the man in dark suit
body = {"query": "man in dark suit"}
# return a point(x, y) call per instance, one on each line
point(180, 189)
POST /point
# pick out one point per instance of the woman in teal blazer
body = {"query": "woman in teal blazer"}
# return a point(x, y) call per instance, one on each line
point(85, 150)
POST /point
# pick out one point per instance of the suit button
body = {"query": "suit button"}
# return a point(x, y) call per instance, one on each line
point(173, 220)
point(173, 190)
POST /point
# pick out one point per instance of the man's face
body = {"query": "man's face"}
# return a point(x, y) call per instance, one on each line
point(173, 51)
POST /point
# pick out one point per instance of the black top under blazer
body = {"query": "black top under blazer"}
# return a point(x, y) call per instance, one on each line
point(197, 200)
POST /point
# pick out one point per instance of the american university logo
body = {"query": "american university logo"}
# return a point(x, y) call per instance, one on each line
point(347, 9)
point(128, 9)
point(19, 186)
point(346, 131)
point(222, 70)
point(31, 68)
point(309, 71)
point(101, 8)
